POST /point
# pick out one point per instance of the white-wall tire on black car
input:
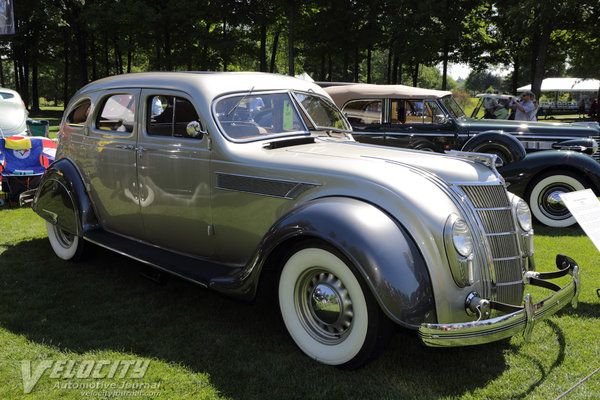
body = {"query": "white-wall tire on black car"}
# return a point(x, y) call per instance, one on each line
point(331, 315)
point(65, 245)
point(544, 201)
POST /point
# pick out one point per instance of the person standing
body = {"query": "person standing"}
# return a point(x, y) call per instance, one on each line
point(523, 108)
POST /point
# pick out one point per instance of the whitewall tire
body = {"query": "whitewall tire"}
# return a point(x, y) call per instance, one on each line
point(65, 245)
point(544, 202)
point(331, 316)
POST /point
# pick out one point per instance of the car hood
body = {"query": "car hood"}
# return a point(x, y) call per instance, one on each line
point(376, 162)
point(526, 127)
point(13, 118)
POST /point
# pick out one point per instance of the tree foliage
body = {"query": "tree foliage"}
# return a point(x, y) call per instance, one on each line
point(60, 45)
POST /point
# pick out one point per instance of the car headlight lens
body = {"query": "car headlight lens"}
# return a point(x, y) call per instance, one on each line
point(461, 238)
point(523, 215)
point(459, 250)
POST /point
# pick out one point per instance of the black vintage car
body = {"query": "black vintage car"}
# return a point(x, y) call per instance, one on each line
point(432, 120)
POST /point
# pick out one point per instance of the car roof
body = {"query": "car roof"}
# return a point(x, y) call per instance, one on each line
point(209, 84)
point(341, 94)
point(495, 95)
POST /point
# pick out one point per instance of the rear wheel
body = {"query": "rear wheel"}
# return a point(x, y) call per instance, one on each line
point(66, 245)
point(328, 310)
point(544, 198)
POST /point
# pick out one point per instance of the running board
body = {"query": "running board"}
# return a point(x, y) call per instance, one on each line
point(196, 270)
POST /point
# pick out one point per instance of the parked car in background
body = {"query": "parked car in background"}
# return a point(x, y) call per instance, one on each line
point(424, 119)
point(221, 178)
point(13, 114)
point(431, 120)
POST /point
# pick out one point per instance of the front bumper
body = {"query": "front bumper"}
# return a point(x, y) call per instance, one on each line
point(521, 320)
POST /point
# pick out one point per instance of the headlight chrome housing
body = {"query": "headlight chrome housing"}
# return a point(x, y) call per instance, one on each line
point(524, 223)
point(459, 250)
point(523, 215)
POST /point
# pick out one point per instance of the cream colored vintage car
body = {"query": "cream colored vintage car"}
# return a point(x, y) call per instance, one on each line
point(220, 178)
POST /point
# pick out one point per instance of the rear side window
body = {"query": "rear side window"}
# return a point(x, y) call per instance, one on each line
point(169, 116)
point(5, 95)
point(117, 113)
point(79, 114)
point(363, 112)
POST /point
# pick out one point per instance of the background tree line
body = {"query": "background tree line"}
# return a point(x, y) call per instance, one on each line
point(60, 45)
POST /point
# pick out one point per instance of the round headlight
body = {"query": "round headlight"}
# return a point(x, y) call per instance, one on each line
point(461, 238)
point(523, 215)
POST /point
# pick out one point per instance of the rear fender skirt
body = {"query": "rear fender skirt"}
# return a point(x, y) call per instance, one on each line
point(62, 199)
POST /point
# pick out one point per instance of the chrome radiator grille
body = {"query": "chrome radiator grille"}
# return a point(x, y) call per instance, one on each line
point(494, 211)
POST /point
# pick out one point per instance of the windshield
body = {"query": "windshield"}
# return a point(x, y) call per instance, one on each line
point(250, 116)
point(322, 113)
point(453, 107)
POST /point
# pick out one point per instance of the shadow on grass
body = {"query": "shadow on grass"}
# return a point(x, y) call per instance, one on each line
point(103, 304)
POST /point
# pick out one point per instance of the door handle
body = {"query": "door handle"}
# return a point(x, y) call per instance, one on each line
point(125, 147)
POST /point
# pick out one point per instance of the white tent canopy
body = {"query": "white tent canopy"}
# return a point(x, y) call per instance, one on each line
point(566, 85)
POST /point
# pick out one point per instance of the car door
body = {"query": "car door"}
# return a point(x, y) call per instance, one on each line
point(108, 161)
point(421, 124)
point(173, 172)
point(366, 117)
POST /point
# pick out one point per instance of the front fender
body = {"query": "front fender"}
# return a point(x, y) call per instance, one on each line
point(518, 174)
point(62, 199)
point(378, 246)
point(492, 141)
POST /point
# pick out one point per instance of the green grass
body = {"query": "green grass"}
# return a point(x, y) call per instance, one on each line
point(202, 345)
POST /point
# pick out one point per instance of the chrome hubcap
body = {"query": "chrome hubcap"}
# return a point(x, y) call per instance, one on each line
point(65, 239)
point(324, 306)
point(550, 202)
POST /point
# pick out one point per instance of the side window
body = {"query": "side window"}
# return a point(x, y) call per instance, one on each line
point(433, 113)
point(169, 116)
point(79, 114)
point(415, 111)
point(363, 111)
point(117, 113)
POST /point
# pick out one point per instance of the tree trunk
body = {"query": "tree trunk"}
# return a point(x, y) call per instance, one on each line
point(356, 57)
point(274, 50)
point(395, 70)
point(323, 75)
point(67, 51)
point(389, 67)
point(369, 50)
point(93, 56)
point(445, 67)
point(2, 84)
point(82, 55)
point(291, 70)
point(515, 77)
point(416, 74)
point(263, 47)
point(129, 54)
point(35, 96)
point(540, 63)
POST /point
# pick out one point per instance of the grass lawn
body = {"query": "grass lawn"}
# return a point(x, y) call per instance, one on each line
point(199, 344)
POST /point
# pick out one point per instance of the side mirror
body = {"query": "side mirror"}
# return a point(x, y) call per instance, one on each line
point(194, 129)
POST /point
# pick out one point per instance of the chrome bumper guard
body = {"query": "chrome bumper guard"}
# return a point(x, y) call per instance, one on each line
point(521, 320)
point(26, 198)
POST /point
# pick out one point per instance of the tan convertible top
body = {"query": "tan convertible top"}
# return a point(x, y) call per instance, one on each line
point(344, 93)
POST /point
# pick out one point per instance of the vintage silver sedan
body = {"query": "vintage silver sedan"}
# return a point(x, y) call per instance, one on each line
point(221, 177)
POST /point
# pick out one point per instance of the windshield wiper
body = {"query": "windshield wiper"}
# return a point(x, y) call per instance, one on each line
point(240, 102)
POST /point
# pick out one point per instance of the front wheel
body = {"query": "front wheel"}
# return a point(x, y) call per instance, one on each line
point(544, 198)
point(328, 310)
point(66, 245)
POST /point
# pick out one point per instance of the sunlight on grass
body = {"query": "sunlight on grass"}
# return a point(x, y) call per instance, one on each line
point(199, 344)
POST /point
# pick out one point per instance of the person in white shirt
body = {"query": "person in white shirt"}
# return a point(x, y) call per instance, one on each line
point(523, 108)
